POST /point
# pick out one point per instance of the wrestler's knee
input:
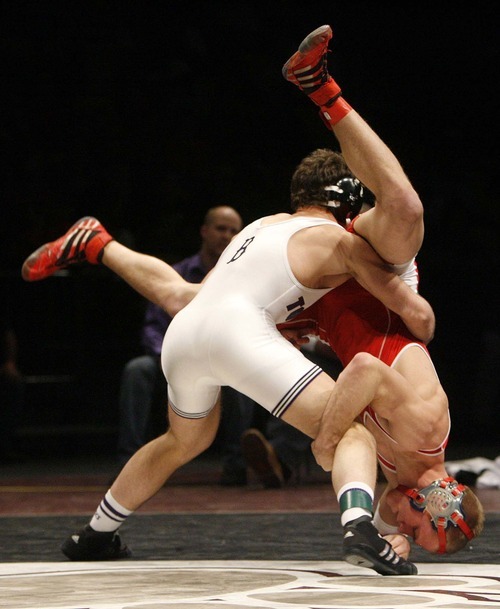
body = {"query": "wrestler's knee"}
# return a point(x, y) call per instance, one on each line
point(178, 448)
point(405, 205)
point(362, 365)
point(191, 437)
point(359, 433)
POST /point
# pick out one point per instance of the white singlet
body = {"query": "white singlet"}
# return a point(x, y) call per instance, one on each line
point(227, 334)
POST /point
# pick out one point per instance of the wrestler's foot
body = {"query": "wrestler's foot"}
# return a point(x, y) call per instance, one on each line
point(88, 544)
point(261, 457)
point(307, 68)
point(84, 242)
point(364, 547)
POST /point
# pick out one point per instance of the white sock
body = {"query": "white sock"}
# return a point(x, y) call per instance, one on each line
point(109, 515)
point(355, 500)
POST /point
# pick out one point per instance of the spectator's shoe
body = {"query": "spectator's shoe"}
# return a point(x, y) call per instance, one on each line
point(364, 547)
point(307, 68)
point(261, 457)
point(94, 545)
point(84, 242)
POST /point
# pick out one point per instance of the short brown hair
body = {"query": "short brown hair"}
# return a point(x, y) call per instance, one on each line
point(474, 517)
point(323, 167)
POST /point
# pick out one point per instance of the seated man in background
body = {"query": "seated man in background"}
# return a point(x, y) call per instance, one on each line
point(143, 384)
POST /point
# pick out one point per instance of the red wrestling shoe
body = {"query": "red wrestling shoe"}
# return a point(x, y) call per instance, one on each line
point(84, 242)
point(308, 70)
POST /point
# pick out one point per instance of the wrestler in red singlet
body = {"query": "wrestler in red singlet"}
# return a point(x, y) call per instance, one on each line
point(350, 320)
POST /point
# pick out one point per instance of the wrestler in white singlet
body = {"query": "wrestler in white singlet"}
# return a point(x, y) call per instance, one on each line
point(227, 335)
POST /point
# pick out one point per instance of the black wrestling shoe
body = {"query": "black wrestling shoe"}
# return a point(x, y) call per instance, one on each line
point(364, 547)
point(88, 544)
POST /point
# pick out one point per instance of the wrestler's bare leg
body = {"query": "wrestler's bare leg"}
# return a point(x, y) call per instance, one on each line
point(355, 458)
point(151, 277)
point(155, 462)
point(87, 241)
point(395, 226)
point(398, 207)
point(355, 455)
point(151, 466)
point(354, 470)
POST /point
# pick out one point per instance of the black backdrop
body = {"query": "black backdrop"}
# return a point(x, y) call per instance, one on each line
point(145, 114)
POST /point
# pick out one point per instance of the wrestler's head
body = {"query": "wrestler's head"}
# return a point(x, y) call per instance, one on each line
point(323, 178)
point(441, 517)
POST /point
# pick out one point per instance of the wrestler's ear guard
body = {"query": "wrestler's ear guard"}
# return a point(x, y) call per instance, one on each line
point(346, 197)
point(442, 500)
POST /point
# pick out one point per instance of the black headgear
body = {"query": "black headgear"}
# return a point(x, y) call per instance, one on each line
point(346, 197)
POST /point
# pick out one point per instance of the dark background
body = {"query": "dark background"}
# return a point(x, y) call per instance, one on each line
point(145, 114)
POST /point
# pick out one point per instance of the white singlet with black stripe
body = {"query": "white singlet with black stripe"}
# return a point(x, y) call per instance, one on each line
point(227, 335)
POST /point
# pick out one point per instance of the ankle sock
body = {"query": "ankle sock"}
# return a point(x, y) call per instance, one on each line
point(109, 515)
point(355, 500)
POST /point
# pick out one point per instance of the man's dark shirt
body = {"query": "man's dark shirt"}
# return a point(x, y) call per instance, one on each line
point(156, 321)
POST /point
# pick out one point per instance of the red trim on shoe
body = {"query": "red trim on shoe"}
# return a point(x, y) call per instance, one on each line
point(327, 94)
point(333, 114)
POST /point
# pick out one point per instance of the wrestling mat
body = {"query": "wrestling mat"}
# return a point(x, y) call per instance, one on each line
point(243, 584)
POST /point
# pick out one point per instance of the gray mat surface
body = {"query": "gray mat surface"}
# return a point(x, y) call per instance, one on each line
point(218, 537)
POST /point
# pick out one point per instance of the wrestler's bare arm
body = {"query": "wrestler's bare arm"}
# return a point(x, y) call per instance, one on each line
point(366, 380)
point(369, 270)
point(325, 255)
point(386, 522)
point(151, 277)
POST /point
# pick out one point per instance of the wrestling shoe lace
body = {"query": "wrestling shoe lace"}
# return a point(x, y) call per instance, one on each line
point(308, 70)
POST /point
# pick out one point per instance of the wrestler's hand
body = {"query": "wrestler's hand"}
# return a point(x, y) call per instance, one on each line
point(297, 337)
point(400, 544)
point(331, 431)
point(324, 452)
